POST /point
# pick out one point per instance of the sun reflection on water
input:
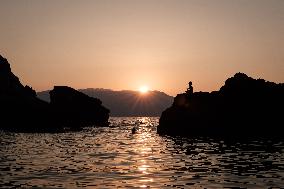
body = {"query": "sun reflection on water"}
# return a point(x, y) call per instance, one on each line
point(116, 158)
point(143, 169)
point(143, 139)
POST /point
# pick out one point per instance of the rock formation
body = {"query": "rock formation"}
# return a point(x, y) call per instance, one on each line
point(76, 108)
point(22, 111)
point(242, 107)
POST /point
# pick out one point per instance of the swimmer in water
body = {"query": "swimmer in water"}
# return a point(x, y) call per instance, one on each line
point(134, 129)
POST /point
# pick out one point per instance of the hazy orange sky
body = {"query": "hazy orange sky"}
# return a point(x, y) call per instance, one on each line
point(123, 44)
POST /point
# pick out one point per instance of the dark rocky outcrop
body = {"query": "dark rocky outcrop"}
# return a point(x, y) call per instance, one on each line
point(75, 108)
point(242, 107)
point(22, 111)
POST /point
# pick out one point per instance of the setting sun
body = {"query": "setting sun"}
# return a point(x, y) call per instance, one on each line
point(143, 89)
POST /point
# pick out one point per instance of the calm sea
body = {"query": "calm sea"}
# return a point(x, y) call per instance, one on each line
point(116, 158)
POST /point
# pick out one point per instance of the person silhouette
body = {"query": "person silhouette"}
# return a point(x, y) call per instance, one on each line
point(134, 130)
point(189, 90)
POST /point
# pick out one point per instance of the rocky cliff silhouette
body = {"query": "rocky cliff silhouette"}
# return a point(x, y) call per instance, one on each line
point(126, 102)
point(20, 108)
point(77, 108)
point(22, 111)
point(242, 107)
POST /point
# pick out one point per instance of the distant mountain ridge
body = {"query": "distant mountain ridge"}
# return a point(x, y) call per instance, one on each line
point(126, 102)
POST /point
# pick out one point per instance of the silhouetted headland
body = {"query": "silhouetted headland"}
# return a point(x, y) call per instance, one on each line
point(76, 108)
point(242, 107)
point(22, 111)
point(20, 108)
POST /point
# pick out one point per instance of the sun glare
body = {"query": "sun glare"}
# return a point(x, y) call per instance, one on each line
point(143, 89)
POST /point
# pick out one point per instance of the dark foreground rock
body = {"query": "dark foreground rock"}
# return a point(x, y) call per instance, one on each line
point(22, 111)
point(75, 108)
point(242, 107)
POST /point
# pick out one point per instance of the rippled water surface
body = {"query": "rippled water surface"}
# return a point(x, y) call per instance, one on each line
point(114, 157)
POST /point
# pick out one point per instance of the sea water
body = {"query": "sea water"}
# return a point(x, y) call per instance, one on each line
point(114, 157)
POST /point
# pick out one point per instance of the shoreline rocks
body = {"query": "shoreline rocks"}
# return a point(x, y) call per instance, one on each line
point(75, 108)
point(22, 111)
point(242, 107)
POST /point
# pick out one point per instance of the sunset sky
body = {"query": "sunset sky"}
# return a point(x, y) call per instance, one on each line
point(126, 44)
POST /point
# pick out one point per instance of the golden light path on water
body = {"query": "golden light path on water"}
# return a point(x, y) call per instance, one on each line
point(144, 150)
point(114, 157)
